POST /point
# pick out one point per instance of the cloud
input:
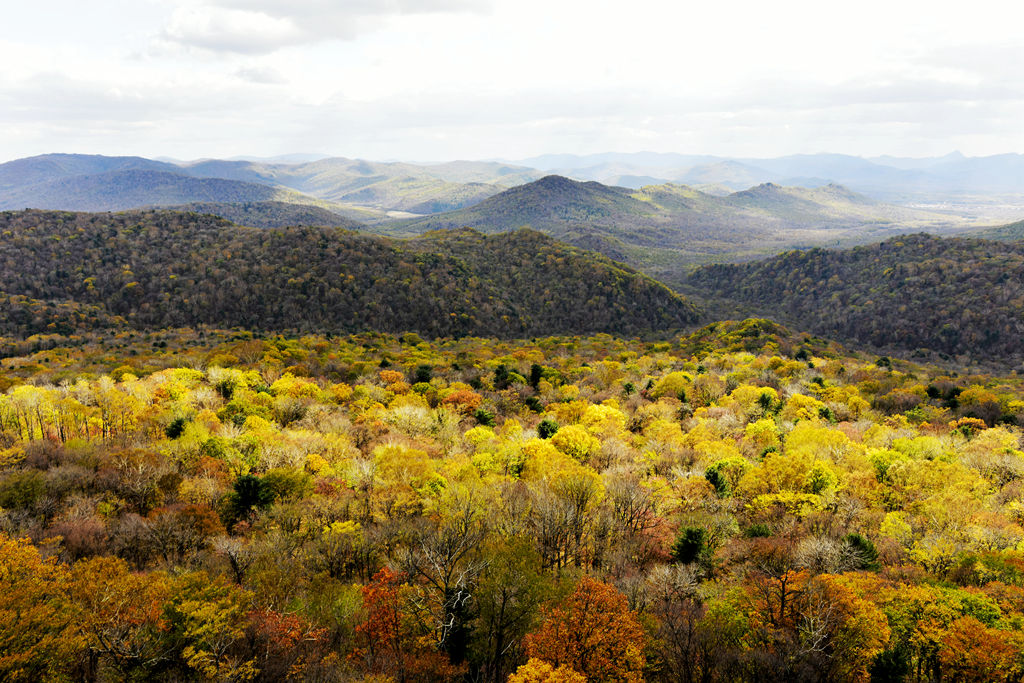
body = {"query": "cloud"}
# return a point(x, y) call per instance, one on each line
point(61, 101)
point(264, 26)
point(231, 30)
point(261, 75)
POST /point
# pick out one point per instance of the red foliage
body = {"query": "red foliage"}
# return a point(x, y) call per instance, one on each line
point(387, 640)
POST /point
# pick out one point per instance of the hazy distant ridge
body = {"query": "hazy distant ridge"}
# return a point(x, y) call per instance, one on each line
point(662, 229)
point(881, 177)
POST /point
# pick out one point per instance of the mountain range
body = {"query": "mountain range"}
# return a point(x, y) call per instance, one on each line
point(944, 179)
point(991, 187)
point(660, 229)
point(663, 230)
point(361, 190)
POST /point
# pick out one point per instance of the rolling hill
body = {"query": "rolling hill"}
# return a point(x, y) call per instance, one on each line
point(664, 229)
point(957, 296)
point(951, 178)
point(392, 186)
point(49, 167)
point(116, 190)
point(159, 269)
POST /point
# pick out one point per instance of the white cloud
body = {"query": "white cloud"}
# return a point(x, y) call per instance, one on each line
point(263, 26)
point(264, 75)
point(233, 30)
point(438, 79)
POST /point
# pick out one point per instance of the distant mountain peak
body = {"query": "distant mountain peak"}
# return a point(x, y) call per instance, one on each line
point(837, 190)
point(762, 190)
point(557, 182)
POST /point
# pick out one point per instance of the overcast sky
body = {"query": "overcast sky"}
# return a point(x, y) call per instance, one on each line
point(472, 79)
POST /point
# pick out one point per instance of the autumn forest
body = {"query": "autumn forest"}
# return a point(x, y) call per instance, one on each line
point(734, 504)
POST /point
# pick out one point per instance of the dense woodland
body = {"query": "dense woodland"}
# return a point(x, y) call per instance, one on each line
point(962, 297)
point(741, 504)
point(158, 269)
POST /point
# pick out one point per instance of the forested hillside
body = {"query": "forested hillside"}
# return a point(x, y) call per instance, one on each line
point(958, 296)
point(166, 269)
point(743, 504)
point(50, 167)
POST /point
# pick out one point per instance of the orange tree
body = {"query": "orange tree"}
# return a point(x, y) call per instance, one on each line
point(593, 632)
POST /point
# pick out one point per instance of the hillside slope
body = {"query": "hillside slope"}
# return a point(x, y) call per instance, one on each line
point(48, 167)
point(159, 269)
point(957, 296)
point(952, 178)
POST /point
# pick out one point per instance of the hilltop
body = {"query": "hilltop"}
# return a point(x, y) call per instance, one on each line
point(159, 269)
point(384, 186)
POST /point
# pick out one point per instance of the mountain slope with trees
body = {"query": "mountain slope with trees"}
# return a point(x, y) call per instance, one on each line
point(159, 269)
point(390, 186)
point(958, 296)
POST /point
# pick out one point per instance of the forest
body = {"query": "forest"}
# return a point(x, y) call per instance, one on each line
point(960, 297)
point(742, 503)
point(67, 274)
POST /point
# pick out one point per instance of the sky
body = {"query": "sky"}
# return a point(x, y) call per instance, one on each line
point(436, 80)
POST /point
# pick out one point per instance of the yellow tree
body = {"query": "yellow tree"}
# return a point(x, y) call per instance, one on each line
point(539, 671)
point(39, 630)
